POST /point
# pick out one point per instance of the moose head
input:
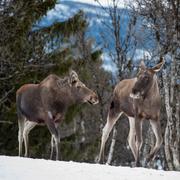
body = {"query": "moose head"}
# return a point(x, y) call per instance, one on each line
point(144, 80)
point(80, 91)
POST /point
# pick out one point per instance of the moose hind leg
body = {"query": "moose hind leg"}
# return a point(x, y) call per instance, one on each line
point(21, 120)
point(156, 127)
point(29, 125)
point(111, 120)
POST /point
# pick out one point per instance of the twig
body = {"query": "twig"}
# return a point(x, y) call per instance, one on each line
point(40, 66)
point(3, 99)
point(6, 122)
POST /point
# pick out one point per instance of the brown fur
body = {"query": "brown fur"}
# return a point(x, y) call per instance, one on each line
point(47, 103)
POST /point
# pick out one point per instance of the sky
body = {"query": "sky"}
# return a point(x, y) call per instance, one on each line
point(95, 16)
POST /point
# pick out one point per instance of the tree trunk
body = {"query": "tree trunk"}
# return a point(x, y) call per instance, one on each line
point(172, 142)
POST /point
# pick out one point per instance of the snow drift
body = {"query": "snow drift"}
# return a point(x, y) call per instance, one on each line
point(16, 168)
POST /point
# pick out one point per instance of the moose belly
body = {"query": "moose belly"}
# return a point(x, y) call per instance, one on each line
point(147, 115)
point(127, 107)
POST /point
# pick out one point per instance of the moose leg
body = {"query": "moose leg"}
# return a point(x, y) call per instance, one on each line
point(52, 147)
point(21, 120)
point(156, 127)
point(54, 132)
point(57, 142)
point(138, 130)
point(111, 120)
point(54, 142)
point(132, 137)
point(29, 125)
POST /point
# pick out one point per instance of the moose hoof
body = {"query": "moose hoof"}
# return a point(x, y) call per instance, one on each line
point(99, 161)
point(148, 159)
point(138, 164)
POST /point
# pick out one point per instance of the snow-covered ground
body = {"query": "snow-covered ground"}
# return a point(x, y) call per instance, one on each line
point(15, 168)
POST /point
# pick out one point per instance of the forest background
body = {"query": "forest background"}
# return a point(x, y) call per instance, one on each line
point(29, 52)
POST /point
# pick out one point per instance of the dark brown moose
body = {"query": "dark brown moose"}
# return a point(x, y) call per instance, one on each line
point(46, 103)
point(138, 98)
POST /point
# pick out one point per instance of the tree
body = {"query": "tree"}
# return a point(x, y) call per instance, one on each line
point(121, 33)
point(29, 53)
point(26, 55)
point(89, 67)
point(163, 19)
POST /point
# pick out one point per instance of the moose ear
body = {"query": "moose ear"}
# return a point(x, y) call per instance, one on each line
point(142, 65)
point(73, 77)
point(62, 82)
point(158, 67)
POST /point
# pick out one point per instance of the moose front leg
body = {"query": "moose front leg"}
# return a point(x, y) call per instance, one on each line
point(132, 137)
point(52, 147)
point(138, 129)
point(57, 119)
point(156, 127)
point(54, 133)
point(55, 141)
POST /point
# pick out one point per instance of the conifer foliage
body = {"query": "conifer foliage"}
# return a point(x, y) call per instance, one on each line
point(28, 53)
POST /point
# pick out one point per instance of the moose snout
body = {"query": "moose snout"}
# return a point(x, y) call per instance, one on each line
point(93, 99)
point(135, 94)
point(134, 90)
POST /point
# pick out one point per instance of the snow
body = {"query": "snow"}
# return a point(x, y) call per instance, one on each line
point(16, 168)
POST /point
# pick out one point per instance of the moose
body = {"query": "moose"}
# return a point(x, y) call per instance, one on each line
point(47, 103)
point(138, 98)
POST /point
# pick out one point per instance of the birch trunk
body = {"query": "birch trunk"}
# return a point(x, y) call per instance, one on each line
point(169, 122)
point(172, 138)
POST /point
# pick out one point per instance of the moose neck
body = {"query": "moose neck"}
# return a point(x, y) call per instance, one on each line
point(153, 90)
point(73, 97)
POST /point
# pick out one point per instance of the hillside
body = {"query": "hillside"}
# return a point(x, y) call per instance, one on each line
point(98, 19)
point(15, 168)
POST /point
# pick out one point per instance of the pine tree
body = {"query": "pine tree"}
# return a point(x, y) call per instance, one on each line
point(28, 54)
